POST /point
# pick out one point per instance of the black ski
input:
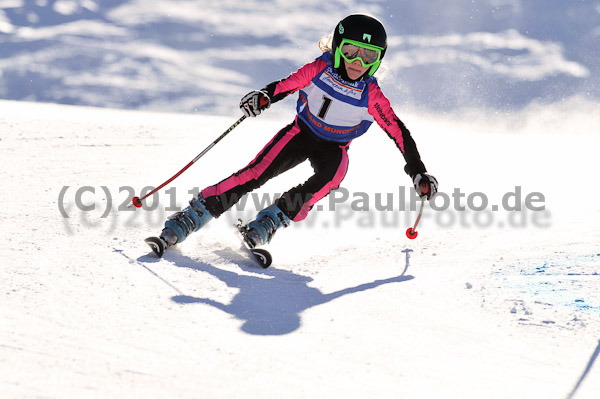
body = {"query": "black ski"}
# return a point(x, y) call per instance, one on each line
point(157, 245)
point(261, 256)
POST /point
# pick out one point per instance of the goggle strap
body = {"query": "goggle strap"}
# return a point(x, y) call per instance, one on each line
point(361, 44)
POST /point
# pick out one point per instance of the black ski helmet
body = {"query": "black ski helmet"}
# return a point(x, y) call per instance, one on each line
point(361, 28)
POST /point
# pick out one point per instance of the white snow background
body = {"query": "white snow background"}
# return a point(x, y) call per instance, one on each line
point(494, 304)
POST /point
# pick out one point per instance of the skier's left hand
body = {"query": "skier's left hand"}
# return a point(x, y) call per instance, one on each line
point(425, 185)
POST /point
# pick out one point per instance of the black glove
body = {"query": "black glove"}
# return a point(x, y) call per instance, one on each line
point(254, 102)
point(425, 184)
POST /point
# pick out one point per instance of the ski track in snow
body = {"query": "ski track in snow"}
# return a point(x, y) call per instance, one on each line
point(350, 307)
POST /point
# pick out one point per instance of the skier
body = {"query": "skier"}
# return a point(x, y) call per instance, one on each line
point(338, 100)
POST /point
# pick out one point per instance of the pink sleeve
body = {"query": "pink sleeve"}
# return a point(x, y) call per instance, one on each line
point(295, 81)
point(381, 110)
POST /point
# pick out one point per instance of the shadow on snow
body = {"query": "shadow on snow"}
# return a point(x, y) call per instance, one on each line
point(271, 301)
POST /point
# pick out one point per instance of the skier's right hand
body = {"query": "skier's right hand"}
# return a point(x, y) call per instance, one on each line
point(254, 102)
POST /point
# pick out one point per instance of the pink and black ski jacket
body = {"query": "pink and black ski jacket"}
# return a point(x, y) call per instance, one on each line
point(336, 110)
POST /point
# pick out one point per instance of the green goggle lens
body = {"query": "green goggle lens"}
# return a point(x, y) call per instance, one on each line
point(352, 51)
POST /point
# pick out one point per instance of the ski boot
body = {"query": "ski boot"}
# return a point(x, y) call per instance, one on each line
point(261, 230)
point(180, 225)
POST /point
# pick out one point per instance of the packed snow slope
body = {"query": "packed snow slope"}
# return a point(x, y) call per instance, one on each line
point(483, 304)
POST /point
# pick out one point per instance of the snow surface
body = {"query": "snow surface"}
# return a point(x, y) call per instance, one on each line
point(350, 309)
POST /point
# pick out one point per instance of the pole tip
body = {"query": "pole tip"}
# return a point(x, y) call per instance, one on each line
point(136, 202)
point(412, 234)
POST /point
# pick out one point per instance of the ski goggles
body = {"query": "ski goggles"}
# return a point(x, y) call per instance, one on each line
point(352, 50)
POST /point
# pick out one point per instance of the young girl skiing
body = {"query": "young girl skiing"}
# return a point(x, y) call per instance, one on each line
point(338, 99)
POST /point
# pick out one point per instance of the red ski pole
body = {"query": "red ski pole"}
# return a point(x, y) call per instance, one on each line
point(137, 201)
